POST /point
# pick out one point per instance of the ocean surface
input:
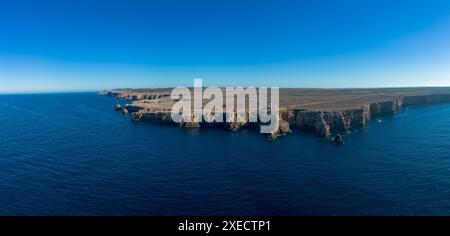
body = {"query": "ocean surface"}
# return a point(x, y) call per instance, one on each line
point(72, 154)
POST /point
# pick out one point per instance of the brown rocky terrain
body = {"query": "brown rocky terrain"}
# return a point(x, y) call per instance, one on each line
point(325, 111)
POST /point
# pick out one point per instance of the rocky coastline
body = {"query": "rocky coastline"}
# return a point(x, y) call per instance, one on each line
point(155, 107)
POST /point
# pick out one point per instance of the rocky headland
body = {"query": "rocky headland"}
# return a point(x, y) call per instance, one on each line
point(327, 112)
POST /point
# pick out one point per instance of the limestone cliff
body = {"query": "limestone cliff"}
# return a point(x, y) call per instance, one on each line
point(326, 123)
point(155, 107)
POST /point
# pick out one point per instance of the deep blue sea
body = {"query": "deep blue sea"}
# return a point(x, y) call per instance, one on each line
point(72, 154)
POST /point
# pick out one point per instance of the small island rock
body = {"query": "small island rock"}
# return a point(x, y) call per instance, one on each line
point(338, 139)
point(118, 107)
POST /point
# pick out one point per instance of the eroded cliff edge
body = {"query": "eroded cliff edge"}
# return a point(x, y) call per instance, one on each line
point(326, 112)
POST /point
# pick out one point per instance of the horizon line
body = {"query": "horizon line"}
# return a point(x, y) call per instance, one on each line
point(24, 92)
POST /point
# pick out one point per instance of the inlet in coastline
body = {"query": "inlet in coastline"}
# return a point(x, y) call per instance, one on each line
point(238, 104)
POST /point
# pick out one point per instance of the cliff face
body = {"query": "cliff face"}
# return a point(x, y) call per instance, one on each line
point(156, 108)
point(426, 99)
point(324, 123)
point(122, 94)
point(327, 123)
point(153, 117)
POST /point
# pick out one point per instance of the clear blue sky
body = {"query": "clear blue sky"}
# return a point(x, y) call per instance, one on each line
point(91, 45)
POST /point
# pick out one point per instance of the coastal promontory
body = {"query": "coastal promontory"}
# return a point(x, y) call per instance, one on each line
point(327, 112)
